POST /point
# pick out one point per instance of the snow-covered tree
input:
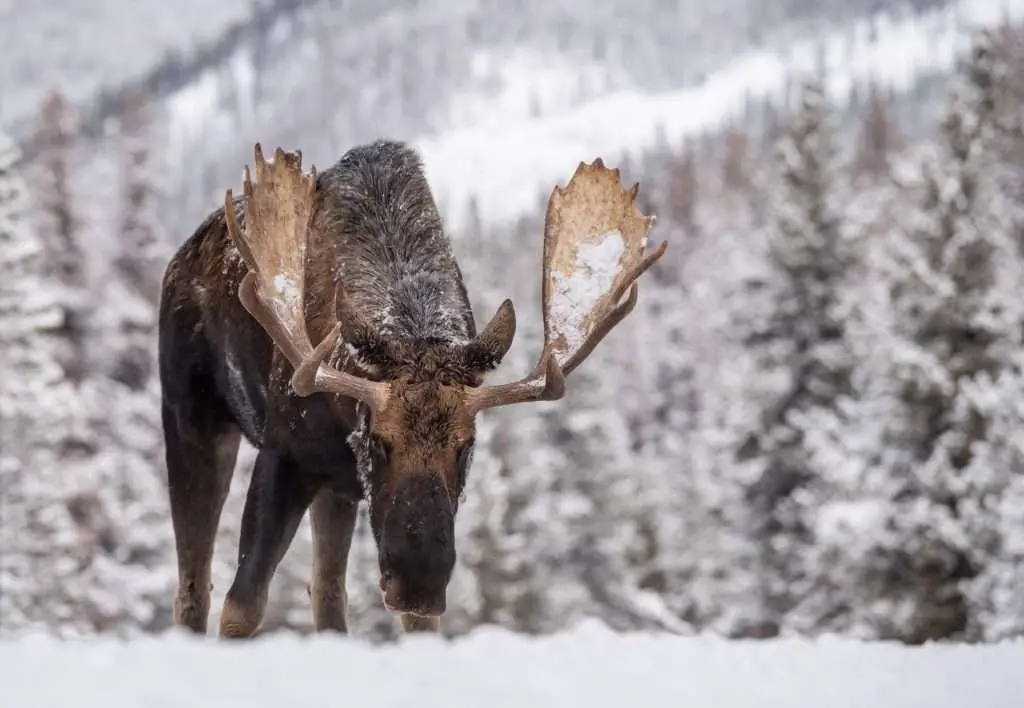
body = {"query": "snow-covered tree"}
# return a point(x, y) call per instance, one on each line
point(513, 533)
point(131, 295)
point(683, 189)
point(879, 136)
point(60, 229)
point(36, 406)
point(805, 363)
point(736, 160)
point(954, 282)
point(143, 247)
point(86, 534)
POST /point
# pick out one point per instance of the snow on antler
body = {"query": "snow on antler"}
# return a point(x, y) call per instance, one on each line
point(578, 290)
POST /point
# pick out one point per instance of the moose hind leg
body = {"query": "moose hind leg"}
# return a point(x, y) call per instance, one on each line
point(333, 521)
point(275, 504)
point(201, 450)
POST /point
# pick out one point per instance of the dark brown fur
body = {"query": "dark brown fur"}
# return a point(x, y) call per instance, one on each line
point(376, 230)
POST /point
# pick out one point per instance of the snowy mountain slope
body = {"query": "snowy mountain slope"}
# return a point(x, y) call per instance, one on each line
point(506, 158)
point(548, 83)
point(82, 45)
point(659, 40)
point(329, 75)
point(590, 667)
point(425, 74)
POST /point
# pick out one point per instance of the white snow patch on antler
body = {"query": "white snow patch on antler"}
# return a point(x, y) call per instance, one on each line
point(577, 292)
point(286, 288)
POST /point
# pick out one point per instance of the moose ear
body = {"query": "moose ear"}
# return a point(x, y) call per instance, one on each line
point(486, 351)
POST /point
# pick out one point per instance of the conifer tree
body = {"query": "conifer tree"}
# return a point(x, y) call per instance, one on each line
point(878, 137)
point(800, 344)
point(683, 188)
point(954, 282)
point(143, 250)
point(60, 229)
point(35, 407)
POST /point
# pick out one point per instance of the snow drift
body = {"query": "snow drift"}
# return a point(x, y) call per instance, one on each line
point(589, 667)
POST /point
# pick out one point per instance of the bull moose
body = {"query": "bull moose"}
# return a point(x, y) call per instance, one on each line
point(324, 317)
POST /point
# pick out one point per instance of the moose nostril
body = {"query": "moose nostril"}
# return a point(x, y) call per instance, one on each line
point(385, 580)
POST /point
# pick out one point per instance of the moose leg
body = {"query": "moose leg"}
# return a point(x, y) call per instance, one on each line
point(333, 521)
point(277, 499)
point(200, 455)
point(415, 623)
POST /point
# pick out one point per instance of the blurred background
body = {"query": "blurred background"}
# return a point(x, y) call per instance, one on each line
point(812, 423)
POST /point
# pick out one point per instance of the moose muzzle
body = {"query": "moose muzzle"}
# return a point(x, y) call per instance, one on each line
point(417, 547)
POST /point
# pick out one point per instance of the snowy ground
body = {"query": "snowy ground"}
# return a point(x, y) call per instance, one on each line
point(591, 667)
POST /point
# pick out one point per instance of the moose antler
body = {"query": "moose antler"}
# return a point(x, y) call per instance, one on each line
point(277, 213)
point(594, 240)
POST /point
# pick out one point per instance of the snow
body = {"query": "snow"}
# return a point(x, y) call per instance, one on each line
point(287, 288)
point(590, 666)
point(523, 83)
point(577, 292)
point(534, 153)
point(191, 109)
point(97, 43)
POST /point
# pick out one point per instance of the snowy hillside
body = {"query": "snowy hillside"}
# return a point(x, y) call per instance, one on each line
point(536, 150)
point(467, 81)
point(87, 41)
point(83, 46)
point(589, 667)
point(445, 78)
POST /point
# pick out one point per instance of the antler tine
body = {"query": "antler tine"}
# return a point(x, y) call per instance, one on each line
point(545, 383)
point(277, 212)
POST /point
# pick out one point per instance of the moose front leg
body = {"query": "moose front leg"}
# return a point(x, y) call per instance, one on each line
point(277, 499)
point(415, 623)
point(333, 521)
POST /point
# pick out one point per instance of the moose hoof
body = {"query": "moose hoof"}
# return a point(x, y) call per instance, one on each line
point(415, 623)
point(191, 610)
point(238, 621)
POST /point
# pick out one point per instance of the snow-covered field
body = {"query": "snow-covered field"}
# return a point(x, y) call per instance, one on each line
point(590, 667)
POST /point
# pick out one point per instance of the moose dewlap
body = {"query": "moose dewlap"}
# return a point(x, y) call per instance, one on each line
point(323, 317)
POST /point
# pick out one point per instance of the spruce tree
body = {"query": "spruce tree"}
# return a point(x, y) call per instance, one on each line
point(954, 289)
point(806, 369)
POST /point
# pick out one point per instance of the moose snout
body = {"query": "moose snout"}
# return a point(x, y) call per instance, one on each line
point(417, 549)
point(400, 598)
point(416, 586)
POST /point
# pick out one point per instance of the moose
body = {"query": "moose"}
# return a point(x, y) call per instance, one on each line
point(324, 317)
